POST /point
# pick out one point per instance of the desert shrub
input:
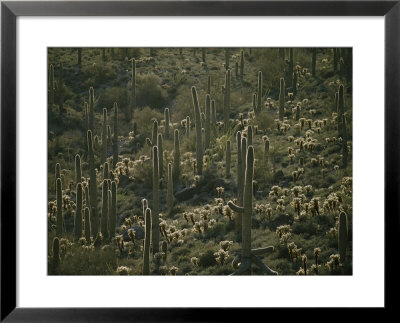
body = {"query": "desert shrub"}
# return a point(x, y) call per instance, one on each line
point(207, 259)
point(144, 119)
point(98, 73)
point(264, 121)
point(149, 91)
point(110, 95)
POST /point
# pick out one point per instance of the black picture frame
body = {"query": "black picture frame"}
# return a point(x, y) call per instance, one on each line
point(10, 10)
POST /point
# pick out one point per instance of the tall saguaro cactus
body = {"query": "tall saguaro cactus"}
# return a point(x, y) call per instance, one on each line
point(166, 118)
point(177, 157)
point(241, 65)
point(104, 210)
point(213, 118)
point(115, 136)
point(314, 61)
point(248, 256)
point(156, 202)
point(132, 105)
point(78, 212)
point(342, 236)
point(291, 62)
point(92, 186)
point(88, 230)
point(104, 138)
point(146, 249)
point(199, 144)
point(160, 155)
point(227, 99)
point(259, 92)
point(59, 227)
point(209, 85)
point(61, 88)
point(340, 109)
point(282, 98)
point(241, 162)
point(78, 169)
point(207, 126)
point(228, 159)
point(91, 109)
point(51, 84)
point(187, 126)
point(170, 189)
point(112, 222)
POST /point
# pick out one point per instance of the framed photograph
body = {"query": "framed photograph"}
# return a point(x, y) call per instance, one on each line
point(162, 158)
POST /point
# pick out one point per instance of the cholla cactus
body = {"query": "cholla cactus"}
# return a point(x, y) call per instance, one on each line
point(225, 245)
point(194, 261)
point(123, 270)
point(221, 256)
point(220, 190)
point(173, 270)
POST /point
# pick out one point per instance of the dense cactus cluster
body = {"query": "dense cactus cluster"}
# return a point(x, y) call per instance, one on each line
point(234, 162)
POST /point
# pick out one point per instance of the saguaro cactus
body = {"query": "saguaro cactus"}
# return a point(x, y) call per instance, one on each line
point(241, 65)
point(91, 109)
point(88, 230)
point(112, 223)
point(160, 155)
point(228, 159)
point(61, 88)
point(79, 56)
point(213, 118)
point(104, 210)
point(132, 105)
point(207, 126)
point(56, 253)
point(340, 109)
point(166, 118)
point(282, 98)
point(239, 174)
point(249, 136)
point(227, 58)
point(170, 189)
point(104, 138)
point(294, 83)
point(105, 171)
point(115, 136)
point(203, 55)
point(156, 182)
point(314, 61)
point(187, 126)
point(199, 145)
point(342, 236)
point(78, 169)
point(59, 227)
point(146, 249)
point(51, 84)
point(291, 62)
point(249, 256)
point(259, 92)
point(177, 157)
point(209, 85)
point(227, 99)
point(92, 186)
point(78, 212)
